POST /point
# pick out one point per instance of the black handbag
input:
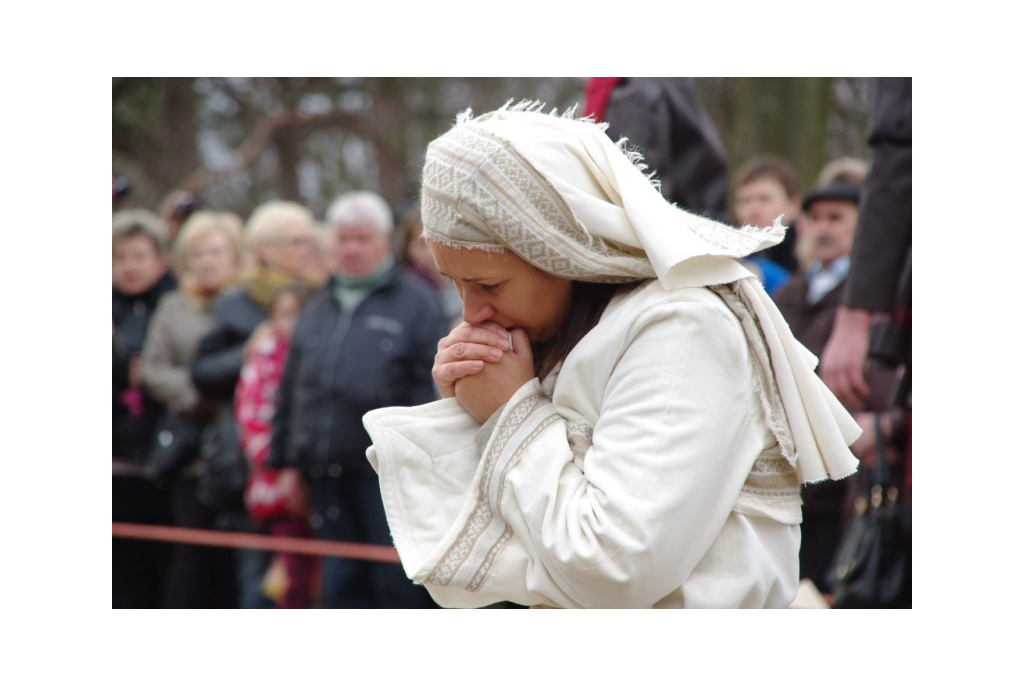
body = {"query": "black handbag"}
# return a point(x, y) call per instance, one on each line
point(872, 565)
point(175, 444)
point(224, 468)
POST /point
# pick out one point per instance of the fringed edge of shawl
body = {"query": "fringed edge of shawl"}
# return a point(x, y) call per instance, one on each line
point(632, 153)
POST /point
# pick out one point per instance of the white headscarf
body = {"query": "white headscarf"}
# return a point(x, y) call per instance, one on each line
point(557, 192)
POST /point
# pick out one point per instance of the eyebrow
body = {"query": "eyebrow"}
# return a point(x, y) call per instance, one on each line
point(470, 280)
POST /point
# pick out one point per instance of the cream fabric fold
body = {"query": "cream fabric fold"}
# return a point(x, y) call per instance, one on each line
point(560, 194)
point(819, 427)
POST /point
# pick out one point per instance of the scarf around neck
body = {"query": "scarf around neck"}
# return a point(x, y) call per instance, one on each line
point(557, 192)
point(263, 283)
point(351, 290)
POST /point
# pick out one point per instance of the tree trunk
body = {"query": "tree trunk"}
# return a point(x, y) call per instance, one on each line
point(180, 154)
point(288, 144)
point(810, 104)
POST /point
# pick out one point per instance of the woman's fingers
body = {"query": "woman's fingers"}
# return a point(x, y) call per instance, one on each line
point(464, 351)
point(446, 373)
point(471, 336)
point(452, 371)
point(472, 343)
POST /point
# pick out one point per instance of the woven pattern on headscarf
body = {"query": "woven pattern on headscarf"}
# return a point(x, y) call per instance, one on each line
point(480, 193)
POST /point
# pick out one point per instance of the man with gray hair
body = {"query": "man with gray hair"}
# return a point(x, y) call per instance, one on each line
point(367, 340)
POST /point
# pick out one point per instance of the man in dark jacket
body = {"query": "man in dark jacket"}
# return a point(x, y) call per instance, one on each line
point(367, 340)
point(881, 253)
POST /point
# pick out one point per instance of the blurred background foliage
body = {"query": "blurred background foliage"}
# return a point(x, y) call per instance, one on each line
point(237, 142)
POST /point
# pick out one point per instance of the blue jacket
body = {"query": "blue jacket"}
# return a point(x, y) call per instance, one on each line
point(341, 366)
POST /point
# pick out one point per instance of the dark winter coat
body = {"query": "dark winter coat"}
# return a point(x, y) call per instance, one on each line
point(218, 360)
point(824, 503)
point(342, 365)
point(882, 247)
point(132, 431)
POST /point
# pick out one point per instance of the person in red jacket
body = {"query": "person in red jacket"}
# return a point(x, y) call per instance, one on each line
point(265, 356)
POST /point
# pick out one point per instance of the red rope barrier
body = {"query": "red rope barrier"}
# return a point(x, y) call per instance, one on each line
point(216, 538)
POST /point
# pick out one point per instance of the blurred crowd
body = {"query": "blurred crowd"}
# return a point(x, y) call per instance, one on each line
point(247, 349)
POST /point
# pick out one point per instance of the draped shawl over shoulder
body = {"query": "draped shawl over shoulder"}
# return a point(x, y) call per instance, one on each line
point(557, 192)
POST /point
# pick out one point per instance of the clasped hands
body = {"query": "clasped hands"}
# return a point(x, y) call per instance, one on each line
point(482, 365)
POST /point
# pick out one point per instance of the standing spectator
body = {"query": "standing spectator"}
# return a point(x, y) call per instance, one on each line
point(281, 248)
point(140, 279)
point(880, 282)
point(367, 340)
point(849, 170)
point(208, 258)
point(665, 118)
point(255, 397)
point(809, 299)
point(809, 302)
point(765, 187)
point(881, 253)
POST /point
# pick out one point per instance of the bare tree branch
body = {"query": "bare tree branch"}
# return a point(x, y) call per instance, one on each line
point(264, 133)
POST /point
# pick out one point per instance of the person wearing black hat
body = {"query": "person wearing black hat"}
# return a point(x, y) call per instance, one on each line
point(808, 302)
point(830, 220)
point(809, 299)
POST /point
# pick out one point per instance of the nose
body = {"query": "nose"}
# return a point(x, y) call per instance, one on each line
point(474, 308)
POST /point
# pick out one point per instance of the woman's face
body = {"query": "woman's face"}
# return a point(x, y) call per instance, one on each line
point(137, 265)
point(292, 250)
point(212, 261)
point(285, 314)
point(501, 287)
